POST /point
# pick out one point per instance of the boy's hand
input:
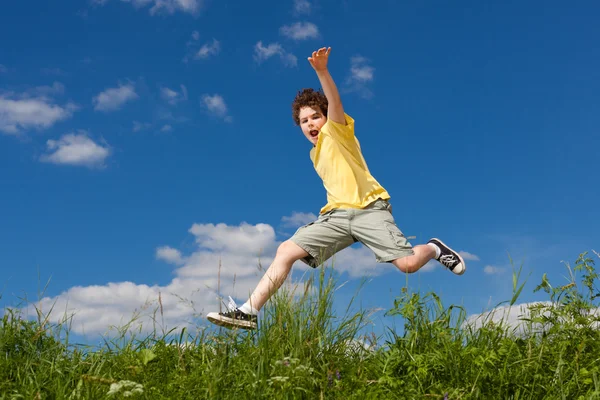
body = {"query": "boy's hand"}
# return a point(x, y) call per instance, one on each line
point(319, 59)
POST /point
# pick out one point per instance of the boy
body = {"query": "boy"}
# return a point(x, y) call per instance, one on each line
point(357, 206)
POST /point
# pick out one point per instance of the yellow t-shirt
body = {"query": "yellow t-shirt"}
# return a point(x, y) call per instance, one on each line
point(338, 160)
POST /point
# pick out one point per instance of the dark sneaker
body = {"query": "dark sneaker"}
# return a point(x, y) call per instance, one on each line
point(234, 318)
point(449, 258)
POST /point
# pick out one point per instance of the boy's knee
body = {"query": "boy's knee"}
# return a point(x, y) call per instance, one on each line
point(290, 251)
point(406, 265)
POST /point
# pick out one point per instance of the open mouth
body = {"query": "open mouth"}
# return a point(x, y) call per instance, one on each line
point(314, 133)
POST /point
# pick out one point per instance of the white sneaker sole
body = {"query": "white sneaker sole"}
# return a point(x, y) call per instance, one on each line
point(227, 322)
point(456, 270)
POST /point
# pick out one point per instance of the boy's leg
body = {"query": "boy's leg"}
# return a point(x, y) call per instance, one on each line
point(375, 227)
point(287, 254)
point(422, 255)
point(313, 243)
point(245, 316)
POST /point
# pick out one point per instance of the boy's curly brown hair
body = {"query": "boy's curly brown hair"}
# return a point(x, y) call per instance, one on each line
point(309, 98)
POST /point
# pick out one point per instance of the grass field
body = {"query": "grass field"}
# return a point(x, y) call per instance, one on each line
point(302, 350)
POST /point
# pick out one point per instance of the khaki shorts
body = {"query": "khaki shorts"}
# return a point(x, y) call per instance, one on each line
point(373, 226)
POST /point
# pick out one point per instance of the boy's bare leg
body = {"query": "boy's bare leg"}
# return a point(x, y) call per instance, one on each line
point(245, 317)
point(437, 249)
point(287, 254)
point(423, 253)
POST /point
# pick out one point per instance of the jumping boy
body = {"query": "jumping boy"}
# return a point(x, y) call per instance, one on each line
point(357, 208)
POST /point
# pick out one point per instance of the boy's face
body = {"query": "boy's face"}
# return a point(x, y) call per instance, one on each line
point(311, 122)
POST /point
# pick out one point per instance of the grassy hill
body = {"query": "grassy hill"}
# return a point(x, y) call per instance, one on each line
point(303, 351)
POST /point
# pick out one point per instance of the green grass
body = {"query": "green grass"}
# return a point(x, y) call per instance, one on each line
point(303, 351)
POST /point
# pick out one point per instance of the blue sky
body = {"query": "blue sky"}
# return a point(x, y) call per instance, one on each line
point(143, 142)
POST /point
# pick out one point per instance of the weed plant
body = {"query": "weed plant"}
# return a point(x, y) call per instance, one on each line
point(303, 350)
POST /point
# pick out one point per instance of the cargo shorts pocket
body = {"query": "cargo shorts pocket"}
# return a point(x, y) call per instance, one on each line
point(396, 235)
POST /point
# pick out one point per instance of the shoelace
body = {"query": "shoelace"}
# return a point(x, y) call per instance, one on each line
point(231, 305)
point(448, 260)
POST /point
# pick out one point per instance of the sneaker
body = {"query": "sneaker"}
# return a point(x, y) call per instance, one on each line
point(449, 258)
point(233, 318)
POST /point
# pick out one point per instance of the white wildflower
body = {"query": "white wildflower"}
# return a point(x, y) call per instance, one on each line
point(128, 388)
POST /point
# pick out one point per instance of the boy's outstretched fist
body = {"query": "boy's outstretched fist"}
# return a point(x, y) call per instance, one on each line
point(319, 59)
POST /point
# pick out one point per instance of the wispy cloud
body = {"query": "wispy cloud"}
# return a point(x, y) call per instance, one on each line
point(360, 70)
point(298, 219)
point(361, 74)
point(208, 49)
point(197, 52)
point(33, 109)
point(163, 6)
point(76, 149)
point(57, 88)
point(166, 128)
point(140, 126)
point(263, 53)
point(492, 270)
point(302, 7)
point(300, 31)
point(3, 69)
point(173, 97)
point(431, 265)
point(113, 99)
point(468, 256)
point(215, 104)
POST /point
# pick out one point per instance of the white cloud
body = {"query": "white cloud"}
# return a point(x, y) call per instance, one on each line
point(3, 69)
point(195, 35)
point(163, 6)
point(208, 49)
point(359, 262)
point(510, 316)
point(298, 219)
point(430, 266)
point(491, 270)
point(170, 6)
point(224, 261)
point(166, 128)
point(302, 7)
point(513, 317)
point(360, 69)
point(231, 253)
point(262, 53)
point(216, 105)
point(242, 239)
point(114, 98)
point(32, 110)
point(169, 255)
point(76, 149)
point(468, 256)
point(289, 60)
point(300, 31)
point(361, 73)
point(173, 97)
point(57, 88)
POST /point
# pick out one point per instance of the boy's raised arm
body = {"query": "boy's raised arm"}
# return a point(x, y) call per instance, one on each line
point(318, 61)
